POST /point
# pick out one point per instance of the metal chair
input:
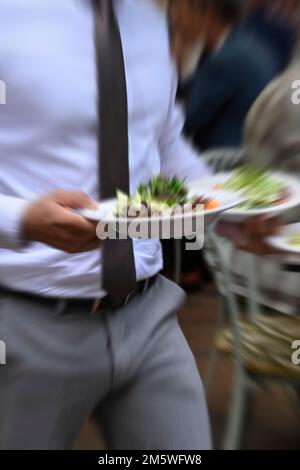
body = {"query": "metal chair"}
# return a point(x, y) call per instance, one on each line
point(259, 347)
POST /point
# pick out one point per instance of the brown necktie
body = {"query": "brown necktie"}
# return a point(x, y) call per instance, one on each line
point(118, 267)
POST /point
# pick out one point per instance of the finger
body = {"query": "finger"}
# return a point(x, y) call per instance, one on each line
point(229, 230)
point(253, 225)
point(276, 224)
point(269, 227)
point(73, 199)
point(83, 246)
point(76, 223)
point(93, 245)
point(75, 241)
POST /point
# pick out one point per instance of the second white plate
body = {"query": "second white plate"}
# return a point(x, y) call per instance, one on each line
point(237, 214)
point(280, 241)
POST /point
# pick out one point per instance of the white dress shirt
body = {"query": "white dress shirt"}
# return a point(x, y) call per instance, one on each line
point(48, 129)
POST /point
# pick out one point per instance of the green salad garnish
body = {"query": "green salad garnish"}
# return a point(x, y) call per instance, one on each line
point(262, 190)
point(159, 197)
point(170, 191)
point(294, 241)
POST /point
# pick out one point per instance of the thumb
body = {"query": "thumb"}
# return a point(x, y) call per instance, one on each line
point(73, 199)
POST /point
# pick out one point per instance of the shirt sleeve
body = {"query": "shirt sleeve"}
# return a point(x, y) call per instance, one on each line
point(178, 157)
point(11, 212)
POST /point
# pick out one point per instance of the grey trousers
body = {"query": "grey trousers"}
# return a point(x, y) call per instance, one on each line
point(132, 368)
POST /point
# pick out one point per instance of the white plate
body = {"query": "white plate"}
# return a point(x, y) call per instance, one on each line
point(179, 224)
point(237, 215)
point(280, 241)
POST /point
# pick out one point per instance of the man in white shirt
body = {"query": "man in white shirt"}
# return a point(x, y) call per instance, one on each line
point(131, 363)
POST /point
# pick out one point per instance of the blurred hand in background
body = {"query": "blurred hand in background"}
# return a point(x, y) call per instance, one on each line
point(250, 235)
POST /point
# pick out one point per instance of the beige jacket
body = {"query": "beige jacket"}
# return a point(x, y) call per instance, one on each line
point(272, 139)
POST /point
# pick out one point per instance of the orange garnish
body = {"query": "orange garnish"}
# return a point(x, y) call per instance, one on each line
point(212, 204)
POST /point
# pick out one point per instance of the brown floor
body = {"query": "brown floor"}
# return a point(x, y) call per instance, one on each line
point(273, 421)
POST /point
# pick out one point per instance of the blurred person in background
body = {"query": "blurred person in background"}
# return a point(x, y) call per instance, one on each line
point(272, 141)
point(222, 72)
point(187, 45)
point(89, 327)
point(271, 136)
point(226, 84)
point(286, 8)
point(272, 23)
point(291, 10)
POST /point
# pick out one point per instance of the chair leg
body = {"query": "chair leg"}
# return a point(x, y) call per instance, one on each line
point(239, 407)
point(210, 371)
point(236, 420)
point(293, 395)
point(214, 354)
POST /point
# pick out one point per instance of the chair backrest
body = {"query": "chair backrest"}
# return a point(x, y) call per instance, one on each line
point(224, 159)
point(220, 255)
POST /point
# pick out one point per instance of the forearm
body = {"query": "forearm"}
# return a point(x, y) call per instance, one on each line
point(49, 219)
point(184, 162)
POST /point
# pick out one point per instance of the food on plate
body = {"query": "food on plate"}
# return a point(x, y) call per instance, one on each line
point(161, 197)
point(294, 241)
point(261, 188)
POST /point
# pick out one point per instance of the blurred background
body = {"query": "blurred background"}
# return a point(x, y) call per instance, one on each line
point(238, 61)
